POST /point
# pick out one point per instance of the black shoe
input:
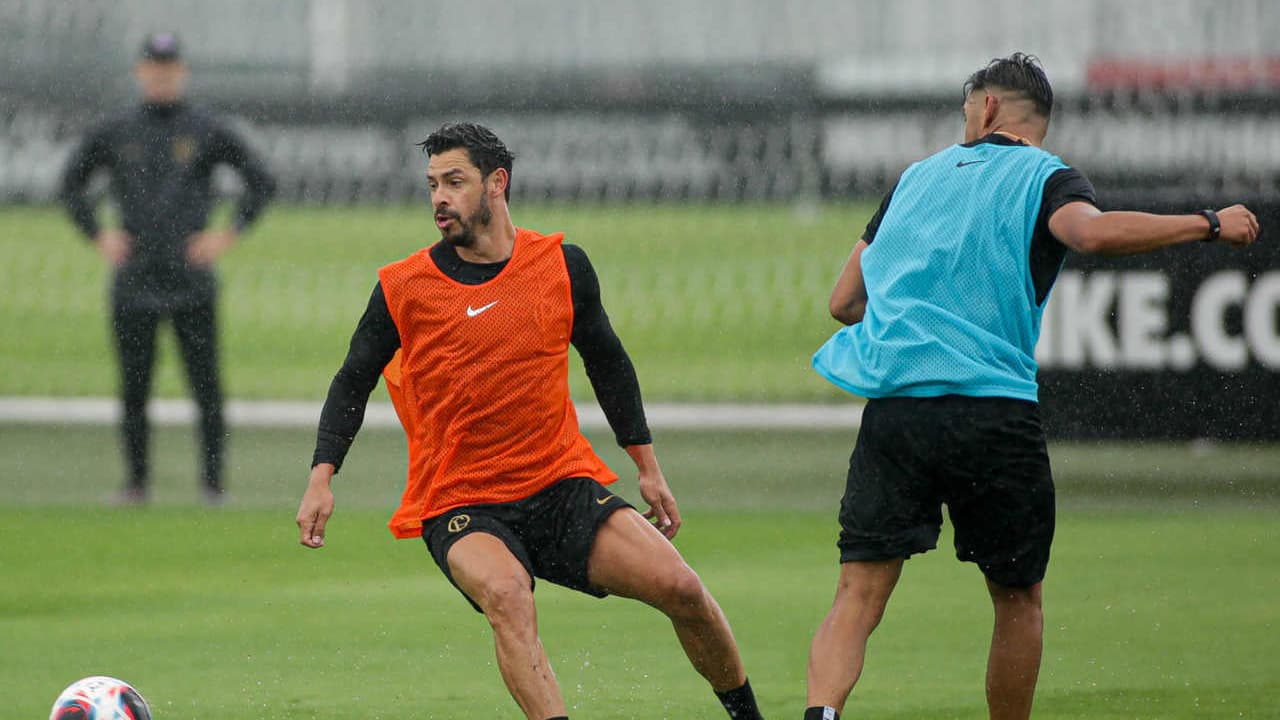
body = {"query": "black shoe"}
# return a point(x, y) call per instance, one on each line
point(214, 497)
point(129, 497)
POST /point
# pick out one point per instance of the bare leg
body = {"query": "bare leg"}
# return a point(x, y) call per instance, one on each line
point(840, 645)
point(1016, 645)
point(632, 559)
point(489, 574)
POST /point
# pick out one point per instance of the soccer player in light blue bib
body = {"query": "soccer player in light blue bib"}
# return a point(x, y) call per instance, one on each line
point(942, 299)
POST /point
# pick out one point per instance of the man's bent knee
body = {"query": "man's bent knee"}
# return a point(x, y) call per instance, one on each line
point(868, 583)
point(506, 601)
point(681, 593)
point(1018, 604)
point(1024, 597)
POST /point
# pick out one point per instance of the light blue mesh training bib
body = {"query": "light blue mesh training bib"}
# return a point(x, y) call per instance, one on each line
point(951, 304)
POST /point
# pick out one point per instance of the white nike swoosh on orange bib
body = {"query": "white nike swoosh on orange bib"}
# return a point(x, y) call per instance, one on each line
point(472, 312)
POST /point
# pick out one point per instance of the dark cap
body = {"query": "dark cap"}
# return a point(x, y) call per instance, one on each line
point(161, 47)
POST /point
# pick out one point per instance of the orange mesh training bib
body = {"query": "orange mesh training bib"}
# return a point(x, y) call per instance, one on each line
point(481, 382)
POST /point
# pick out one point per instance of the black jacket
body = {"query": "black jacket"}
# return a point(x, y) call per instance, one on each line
point(160, 160)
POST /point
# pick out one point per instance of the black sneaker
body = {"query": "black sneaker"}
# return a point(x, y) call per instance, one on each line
point(213, 497)
point(129, 497)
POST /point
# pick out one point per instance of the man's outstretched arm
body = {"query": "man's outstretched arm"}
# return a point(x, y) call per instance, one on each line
point(609, 368)
point(1084, 228)
point(617, 389)
point(373, 344)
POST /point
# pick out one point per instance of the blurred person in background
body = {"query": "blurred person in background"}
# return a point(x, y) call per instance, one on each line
point(943, 297)
point(160, 157)
point(473, 335)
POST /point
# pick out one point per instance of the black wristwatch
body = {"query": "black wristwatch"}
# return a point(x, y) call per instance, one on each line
point(1215, 225)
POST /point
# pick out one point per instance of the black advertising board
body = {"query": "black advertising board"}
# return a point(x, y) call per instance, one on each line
point(1182, 343)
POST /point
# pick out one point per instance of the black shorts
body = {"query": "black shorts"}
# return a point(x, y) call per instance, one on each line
point(984, 457)
point(551, 533)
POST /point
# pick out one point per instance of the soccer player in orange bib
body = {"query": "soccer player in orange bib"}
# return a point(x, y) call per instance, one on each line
point(472, 335)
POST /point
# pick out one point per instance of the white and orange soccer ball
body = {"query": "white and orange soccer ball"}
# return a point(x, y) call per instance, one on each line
point(100, 698)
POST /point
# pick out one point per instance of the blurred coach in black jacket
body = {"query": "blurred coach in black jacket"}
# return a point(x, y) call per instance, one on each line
point(160, 157)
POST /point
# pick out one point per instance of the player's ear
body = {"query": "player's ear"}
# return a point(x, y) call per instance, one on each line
point(498, 180)
point(990, 108)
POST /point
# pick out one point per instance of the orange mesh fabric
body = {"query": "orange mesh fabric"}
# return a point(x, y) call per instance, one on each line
point(481, 382)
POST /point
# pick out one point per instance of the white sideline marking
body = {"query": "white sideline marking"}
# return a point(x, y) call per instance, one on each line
point(272, 413)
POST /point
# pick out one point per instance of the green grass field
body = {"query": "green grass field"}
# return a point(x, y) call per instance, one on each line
point(712, 302)
point(1161, 600)
point(224, 615)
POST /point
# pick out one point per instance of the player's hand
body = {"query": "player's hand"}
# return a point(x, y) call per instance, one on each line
point(206, 247)
point(316, 507)
point(1239, 226)
point(662, 512)
point(114, 245)
point(653, 488)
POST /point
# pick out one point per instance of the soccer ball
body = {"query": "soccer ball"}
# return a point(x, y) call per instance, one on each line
point(100, 698)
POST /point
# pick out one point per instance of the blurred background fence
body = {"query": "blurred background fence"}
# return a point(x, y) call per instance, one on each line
point(713, 100)
point(1169, 104)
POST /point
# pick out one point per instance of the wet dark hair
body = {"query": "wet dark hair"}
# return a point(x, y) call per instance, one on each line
point(483, 147)
point(1019, 73)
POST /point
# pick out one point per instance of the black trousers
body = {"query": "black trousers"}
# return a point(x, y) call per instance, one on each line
point(196, 328)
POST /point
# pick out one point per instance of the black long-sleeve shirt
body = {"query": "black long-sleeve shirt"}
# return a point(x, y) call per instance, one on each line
point(376, 340)
point(160, 160)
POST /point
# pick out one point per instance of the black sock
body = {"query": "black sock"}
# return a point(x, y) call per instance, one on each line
point(821, 712)
point(559, 717)
point(740, 703)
